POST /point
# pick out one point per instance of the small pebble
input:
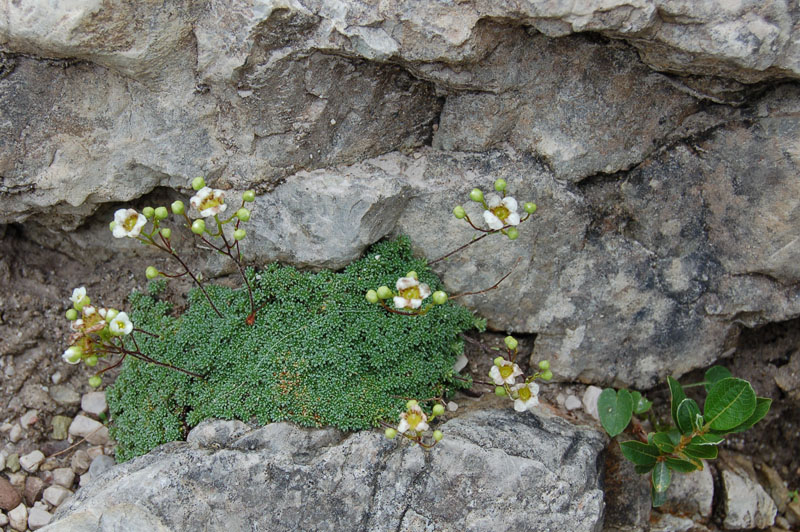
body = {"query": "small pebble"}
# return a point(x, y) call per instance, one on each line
point(55, 495)
point(100, 465)
point(590, 397)
point(3, 519)
point(2, 461)
point(60, 427)
point(572, 403)
point(15, 434)
point(65, 395)
point(94, 403)
point(28, 419)
point(30, 462)
point(560, 399)
point(95, 451)
point(5, 427)
point(84, 479)
point(38, 518)
point(12, 462)
point(80, 462)
point(34, 486)
point(63, 476)
point(56, 378)
point(452, 406)
point(18, 518)
point(9, 497)
point(86, 427)
point(18, 481)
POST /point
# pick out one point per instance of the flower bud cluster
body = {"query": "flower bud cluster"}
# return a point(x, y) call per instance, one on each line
point(500, 211)
point(408, 296)
point(504, 374)
point(414, 424)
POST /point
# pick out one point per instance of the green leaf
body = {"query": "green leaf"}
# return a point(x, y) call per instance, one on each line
point(677, 395)
point(641, 469)
point(615, 410)
point(639, 453)
point(674, 436)
point(707, 439)
point(701, 452)
point(658, 498)
point(640, 403)
point(681, 466)
point(762, 407)
point(663, 442)
point(714, 374)
point(661, 477)
point(687, 412)
point(730, 403)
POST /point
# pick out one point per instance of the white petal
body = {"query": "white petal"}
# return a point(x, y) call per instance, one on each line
point(119, 231)
point(493, 200)
point(519, 405)
point(421, 426)
point(513, 219)
point(401, 302)
point(534, 389)
point(492, 221)
point(510, 203)
point(494, 374)
point(403, 426)
point(415, 303)
point(424, 290)
point(405, 282)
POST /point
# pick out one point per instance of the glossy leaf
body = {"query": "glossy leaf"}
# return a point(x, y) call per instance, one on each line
point(658, 497)
point(663, 442)
point(687, 412)
point(661, 477)
point(714, 374)
point(762, 407)
point(615, 409)
point(681, 466)
point(729, 404)
point(707, 439)
point(640, 403)
point(701, 452)
point(643, 454)
point(677, 395)
point(674, 436)
point(641, 469)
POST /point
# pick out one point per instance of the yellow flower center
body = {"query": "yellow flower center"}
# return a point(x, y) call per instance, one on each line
point(525, 393)
point(501, 211)
point(410, 293)
point(413, 420)
point(210, 202)
point(506, 371)
point(130, 222)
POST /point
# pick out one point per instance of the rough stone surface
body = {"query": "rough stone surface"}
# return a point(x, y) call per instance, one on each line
point(64, 476)
point(38, 518)
point(94, 403)
point(666, 179)
point(747, 505)
point(486, 458)
point(31, 461)
point(18, 518)
point(9, 497)
point(60, 427)
point(55, 495)
point(691, 494)
point(100, 465)
point(65, 395)
point(34, 486)
point(86, 427)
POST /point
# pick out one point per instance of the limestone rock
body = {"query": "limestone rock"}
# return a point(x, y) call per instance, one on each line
point(747, 505)
point(296, 471)
point(94, 403)
point(30, 462)
point(18, 518)
point(690, 494)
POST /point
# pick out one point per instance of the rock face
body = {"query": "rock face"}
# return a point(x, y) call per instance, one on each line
point(493, 471)
point(663, 167)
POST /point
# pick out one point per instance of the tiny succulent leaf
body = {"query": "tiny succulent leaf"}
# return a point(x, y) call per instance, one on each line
point(677, 395)
point(687, 411)
point(730, 403)
point(639, 453)
point(615, 410)
point(714, 374)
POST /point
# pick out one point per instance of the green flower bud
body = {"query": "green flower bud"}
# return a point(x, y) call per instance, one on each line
point(498, 361)
point(72, 314)
point(437, 435)
point(438, 409)
point(547, 375)
point(161, 213)
point(439, 297)
point(166, 232)
point(95, 381)
point(476, 195)
point(198, 227)
point(91, 361)
point(499, 391)
point(372, 296)
point(112, 225)
point(412, 274)
point(111, 314)
point(390, 433)
point(178, 207)
point(459, 212)
point(529, 207)
point(512, 233)
point(249, 196)
point(384, 292)
point(500, 185)
point(544, 365)
point(411, 404)
point(82, 302)
point(511, 342)
point(198, 183)
point(151, 273)
point(148, 212)
point(243, 214)
point(239, 234)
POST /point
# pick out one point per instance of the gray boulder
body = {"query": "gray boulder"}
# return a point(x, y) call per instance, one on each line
point(495, 470)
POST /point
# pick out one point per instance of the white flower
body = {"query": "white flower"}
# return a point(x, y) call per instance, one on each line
point(120, 325)
point(127, 222)
point(76, 325)
point(72, 355)
point(209, 201)
point(78, 294)
point(88, 310)
point(527, 396)
point(411, 291)
point(502, 212)
point(506, 373)
point(414, 419)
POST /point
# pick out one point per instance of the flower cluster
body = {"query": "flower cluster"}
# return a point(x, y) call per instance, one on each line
point(504, 375)
point(500, 211)
point(408, 297)
point(414, 424)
